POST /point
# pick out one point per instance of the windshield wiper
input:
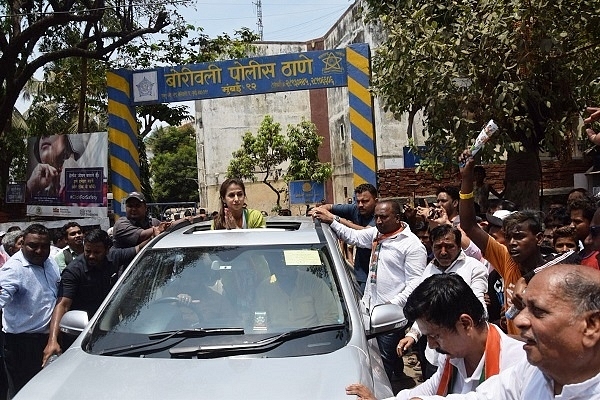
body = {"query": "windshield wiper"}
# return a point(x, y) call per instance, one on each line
point(151, 347)
point(254, 347)
point(196, 332)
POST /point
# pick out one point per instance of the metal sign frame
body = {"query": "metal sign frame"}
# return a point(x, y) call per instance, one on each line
point(349, 67)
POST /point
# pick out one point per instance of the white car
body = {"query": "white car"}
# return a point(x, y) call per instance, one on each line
point(231, 314)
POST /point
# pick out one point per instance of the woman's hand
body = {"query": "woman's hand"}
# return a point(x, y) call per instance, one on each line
point(230, 220)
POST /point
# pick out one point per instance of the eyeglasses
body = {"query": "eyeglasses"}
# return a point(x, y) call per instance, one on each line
point(595, 230)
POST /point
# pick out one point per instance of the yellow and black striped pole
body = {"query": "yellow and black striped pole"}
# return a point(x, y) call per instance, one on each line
point(122, 138)
point(362, 130)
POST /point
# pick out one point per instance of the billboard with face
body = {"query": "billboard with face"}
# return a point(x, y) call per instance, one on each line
point(67, 175)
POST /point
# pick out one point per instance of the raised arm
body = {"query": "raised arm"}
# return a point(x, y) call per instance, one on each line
point(468, 221)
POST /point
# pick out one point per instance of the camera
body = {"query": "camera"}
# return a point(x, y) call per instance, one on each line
point(434, 213)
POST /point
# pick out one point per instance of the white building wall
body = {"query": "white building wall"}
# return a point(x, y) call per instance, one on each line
point(390, 134)
point(221, 123)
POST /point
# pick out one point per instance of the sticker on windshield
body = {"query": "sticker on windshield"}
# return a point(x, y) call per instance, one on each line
point(302, 257)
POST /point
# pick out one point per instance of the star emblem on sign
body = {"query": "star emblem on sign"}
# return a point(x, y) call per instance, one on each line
point(145, 87)
point(332, 63)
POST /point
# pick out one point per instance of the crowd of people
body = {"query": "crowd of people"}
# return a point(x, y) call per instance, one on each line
point(42, 277)
point(499, 302)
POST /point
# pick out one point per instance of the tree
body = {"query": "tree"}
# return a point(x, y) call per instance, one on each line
point(531, 66)
point(14, 161)
point(303, 142)
point(63, 105)
point(38, 32)
point(265, 153)
point(174, 164)
point(72, 98)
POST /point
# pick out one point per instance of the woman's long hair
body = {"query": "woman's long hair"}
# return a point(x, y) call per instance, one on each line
point(219, 222)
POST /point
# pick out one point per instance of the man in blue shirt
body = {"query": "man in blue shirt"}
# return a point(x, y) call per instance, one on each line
point(28, 289)
point(358, 216)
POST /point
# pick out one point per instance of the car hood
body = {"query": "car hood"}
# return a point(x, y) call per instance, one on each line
point(78, 375)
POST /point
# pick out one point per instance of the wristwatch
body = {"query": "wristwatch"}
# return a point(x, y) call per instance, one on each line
point(337, 218)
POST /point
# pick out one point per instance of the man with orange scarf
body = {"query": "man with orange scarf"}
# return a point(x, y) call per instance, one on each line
point(453, 319)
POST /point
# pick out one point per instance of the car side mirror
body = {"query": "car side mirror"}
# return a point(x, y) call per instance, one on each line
point(74, 322)
point(385, 318)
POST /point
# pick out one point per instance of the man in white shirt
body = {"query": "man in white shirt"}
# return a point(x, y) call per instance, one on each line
point(448, 258)
point(561, 329)
point(397, 258)
point(453, 319)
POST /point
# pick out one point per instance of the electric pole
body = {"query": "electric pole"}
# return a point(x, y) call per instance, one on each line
point(259, 23)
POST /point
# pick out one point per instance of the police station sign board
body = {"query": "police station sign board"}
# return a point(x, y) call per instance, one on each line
point(268, 74)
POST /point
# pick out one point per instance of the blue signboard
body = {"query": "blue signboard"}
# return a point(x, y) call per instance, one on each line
point(268, 74)
point(15, 193)
point(84, 185)
point(306, 192)
point(411, 159)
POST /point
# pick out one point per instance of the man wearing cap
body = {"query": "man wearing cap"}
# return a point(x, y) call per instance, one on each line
point(495, 224)
point(136, 226)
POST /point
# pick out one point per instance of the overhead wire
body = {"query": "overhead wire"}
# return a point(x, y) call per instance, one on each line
point(325, 25)
point(338, 9)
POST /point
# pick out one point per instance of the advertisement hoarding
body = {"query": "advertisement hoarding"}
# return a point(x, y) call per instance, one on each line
point(67, 175)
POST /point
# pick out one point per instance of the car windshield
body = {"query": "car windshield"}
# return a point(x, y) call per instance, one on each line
point(223, 297)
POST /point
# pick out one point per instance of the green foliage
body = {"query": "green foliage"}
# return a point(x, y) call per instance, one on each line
point(173, 167)
point(38, 32)
point(531, 66)
point(265, 153)
point(186, 44)
point(60, 95)
point(13, 157)
point(303, 150)
point(182, 44)
point(261, 155)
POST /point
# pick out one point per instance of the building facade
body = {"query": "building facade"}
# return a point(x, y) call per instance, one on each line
point(221, 123)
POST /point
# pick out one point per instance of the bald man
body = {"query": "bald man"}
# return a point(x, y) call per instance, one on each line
point(560, 325)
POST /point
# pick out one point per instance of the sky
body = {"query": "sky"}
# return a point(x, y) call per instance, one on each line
point(283, 20)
